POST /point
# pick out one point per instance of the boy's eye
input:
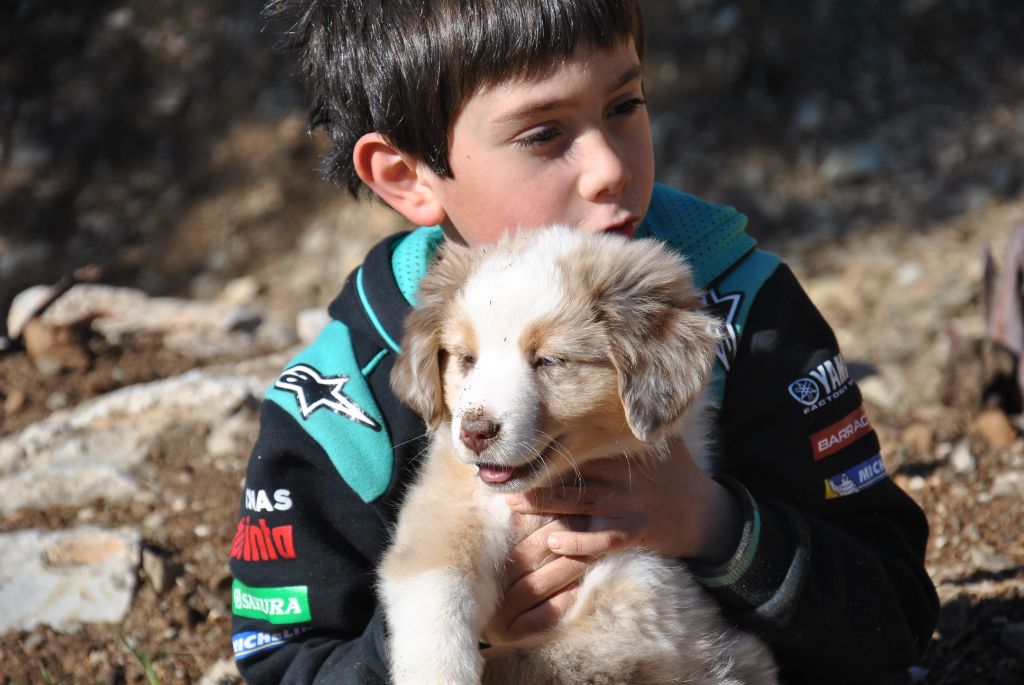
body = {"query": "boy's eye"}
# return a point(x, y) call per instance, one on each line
point(628, 107)
point(540, 137)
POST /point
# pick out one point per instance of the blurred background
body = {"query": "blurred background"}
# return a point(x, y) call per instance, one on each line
point(166, 141)
point(878, 145)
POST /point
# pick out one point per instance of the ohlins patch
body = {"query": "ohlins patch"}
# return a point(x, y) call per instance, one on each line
point(844, 432)
point(313, 391)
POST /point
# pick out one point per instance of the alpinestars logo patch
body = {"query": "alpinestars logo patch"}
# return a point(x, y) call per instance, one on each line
point(725, 308)
point(313, 391)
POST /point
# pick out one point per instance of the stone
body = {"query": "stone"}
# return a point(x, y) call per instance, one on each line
point(33, 642)
point(55, 349)
point(962, 460)
point(197, 329)
point(241, 291)
point(66, 578)
point(986, 558)
point(160, 570)
point(23, 307)
point(91, 451)
point(853, 163)
point(995, 428)
point(881, 392)
point(15, 401)
point(224, 672)
point(1008, 484)
point(310, 322)
point(233, 437)
point(919, 437)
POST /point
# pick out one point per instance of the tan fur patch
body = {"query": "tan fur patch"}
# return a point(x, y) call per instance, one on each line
point(424, 544)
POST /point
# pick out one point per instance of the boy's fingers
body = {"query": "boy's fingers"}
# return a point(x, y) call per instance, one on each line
point(544, 615)
point(587, 544)
point(533, 552)
point(533, 589)
point(559, 500)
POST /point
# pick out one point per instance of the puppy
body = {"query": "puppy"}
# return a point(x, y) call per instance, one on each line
point(526, 360)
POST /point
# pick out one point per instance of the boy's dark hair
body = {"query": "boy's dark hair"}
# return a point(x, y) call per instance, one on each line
point(404, 68)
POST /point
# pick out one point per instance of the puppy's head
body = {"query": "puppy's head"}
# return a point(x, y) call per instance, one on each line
point(552, 348)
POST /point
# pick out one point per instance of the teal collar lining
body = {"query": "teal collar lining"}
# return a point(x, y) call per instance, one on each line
point(712, 237)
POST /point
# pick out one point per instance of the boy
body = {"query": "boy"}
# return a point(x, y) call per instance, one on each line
point(475, 117)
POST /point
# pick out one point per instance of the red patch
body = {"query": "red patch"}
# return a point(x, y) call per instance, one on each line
point(840, 434)
point(260, 542)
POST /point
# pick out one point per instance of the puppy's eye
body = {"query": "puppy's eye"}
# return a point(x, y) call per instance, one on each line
point(467, 361)
point(540, 362)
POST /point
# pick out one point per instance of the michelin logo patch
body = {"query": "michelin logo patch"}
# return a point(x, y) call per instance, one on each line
point(254, 641)
point(855, 479)
point(313, 391)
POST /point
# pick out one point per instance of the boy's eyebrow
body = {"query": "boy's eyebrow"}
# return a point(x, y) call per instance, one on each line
point(533, 108)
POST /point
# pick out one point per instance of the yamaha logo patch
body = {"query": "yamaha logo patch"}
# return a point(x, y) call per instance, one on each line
point(313, 391)
point(824, 383)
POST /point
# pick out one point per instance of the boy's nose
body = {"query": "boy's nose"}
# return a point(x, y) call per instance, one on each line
point(605, 172)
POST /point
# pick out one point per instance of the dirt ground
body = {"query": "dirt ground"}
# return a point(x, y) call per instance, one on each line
point(879, 146)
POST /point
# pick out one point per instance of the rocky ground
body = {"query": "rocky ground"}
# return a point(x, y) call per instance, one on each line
point(878, 145)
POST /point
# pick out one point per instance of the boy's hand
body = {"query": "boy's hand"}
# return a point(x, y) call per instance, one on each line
point(670, 507)
point(542, 585)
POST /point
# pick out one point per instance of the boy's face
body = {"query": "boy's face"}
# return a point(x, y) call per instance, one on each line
point(572, 146)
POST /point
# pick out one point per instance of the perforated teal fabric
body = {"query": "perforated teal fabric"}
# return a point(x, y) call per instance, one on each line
point(712, 237)
point(411, 256)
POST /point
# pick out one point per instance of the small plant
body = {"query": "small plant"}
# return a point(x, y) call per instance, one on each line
point(143, 658)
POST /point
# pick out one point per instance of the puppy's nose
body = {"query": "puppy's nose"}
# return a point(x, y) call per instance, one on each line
point(477, 433)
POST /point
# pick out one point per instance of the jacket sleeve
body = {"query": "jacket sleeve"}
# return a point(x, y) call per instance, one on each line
point(304, 608)
point(830, 568)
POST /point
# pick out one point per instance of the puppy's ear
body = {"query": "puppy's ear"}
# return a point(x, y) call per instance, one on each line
point(661, 343)
point(417, 375)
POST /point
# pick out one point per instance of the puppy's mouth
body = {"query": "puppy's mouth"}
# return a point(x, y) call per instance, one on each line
point(504, 477)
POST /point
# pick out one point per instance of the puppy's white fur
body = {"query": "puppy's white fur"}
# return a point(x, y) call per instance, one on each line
point(526, 359)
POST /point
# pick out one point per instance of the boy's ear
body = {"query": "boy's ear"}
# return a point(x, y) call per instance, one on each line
point(395, 177)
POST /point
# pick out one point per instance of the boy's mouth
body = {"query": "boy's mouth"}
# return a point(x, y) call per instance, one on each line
point(626, 229)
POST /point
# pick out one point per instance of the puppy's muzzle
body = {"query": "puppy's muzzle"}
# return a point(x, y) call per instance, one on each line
point(478, 432)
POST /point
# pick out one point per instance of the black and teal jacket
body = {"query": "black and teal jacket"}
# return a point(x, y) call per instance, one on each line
point(829, 570)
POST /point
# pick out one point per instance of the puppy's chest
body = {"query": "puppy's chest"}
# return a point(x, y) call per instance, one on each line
point(513, 527)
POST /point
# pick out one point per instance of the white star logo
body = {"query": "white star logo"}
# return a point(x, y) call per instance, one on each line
point(725, 307)
point(313, 391)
